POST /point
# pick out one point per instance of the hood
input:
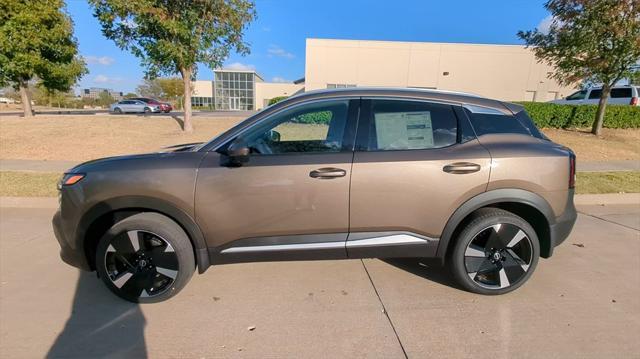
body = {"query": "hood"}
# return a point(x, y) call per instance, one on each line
point(115, 161)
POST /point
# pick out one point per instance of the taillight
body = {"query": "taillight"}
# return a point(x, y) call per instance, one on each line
point(572, 170)
point(634, 101)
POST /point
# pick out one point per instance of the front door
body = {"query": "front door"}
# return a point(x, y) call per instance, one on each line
point(291, 199)
point(413, 167)
point(234, 103)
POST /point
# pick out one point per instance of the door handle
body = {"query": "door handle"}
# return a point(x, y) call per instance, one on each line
point(461, 168)
point(327, 173)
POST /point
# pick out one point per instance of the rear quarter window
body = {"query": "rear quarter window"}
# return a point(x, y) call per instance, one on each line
point(621, 93)
point(494, 124)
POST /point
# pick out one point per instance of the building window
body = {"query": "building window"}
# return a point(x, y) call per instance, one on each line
point(234, 90)
point(339, 86)
point(202, 102)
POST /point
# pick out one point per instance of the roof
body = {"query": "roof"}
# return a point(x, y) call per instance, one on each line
point(401, 92)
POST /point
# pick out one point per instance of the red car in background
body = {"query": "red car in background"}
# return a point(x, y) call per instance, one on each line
point(164, 107)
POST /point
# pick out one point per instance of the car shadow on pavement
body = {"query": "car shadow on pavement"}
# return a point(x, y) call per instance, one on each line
point(425, 269)
point(100, 325)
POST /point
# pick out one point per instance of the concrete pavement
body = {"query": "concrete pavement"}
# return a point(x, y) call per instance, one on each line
point(583, 302)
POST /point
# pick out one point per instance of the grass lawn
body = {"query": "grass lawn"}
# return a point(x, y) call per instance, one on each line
point(38, 184)
point(608, 182)
point(81, 138)
point(28, 184)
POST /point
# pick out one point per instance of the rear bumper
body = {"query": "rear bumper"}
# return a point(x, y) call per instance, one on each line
point(70, 255)
point(560, 230)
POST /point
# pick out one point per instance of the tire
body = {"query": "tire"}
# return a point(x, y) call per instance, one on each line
point(147, 110)
point(117, 110)
point(145, 258)
point(495, 253)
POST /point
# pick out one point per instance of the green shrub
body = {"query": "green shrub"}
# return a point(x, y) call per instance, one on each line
point(315, 118)
point(566, 116)
point(276, 100)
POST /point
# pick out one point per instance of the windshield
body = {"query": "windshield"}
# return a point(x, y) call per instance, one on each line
point(577, 95)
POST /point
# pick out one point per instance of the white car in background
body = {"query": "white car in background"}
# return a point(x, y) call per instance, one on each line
point(620, 95)
point(129, 105)
point(6, 100)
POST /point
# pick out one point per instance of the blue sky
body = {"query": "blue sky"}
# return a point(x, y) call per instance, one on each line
point(277, 37)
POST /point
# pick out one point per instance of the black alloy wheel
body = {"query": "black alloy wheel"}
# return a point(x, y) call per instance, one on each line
point(145, 258)
point(141, 264)
point(495, 253)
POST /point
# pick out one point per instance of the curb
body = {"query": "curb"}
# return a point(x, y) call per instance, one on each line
point(29, 202)
point(606, 199)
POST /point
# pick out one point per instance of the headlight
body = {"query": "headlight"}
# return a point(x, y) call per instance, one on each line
point(70, 179)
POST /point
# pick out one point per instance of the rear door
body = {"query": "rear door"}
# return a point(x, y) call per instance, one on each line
point(621, 95)
point(415, 163)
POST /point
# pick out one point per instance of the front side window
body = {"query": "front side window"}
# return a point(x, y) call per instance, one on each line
point(411, 125)
point(577, 95)
point(595, 94)
point(313, 127)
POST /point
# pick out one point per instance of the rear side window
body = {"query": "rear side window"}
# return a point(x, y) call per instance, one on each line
point(411, 125)
point(621, 93)
point(484, 123)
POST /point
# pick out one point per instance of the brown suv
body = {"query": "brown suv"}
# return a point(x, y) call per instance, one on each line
point(340, 174)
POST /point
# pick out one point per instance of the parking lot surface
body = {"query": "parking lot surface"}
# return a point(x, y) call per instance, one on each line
point(583, 302)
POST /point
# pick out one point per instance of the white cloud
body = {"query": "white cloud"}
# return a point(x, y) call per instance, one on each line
point(100, 60)
point(545, 24)
point(103, 79)
point(279, 52)
point(266, 29)
point(279, 79)
point(240, 66)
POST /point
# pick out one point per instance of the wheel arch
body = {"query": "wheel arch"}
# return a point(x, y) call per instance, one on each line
point(102, 215)
point(532, 207)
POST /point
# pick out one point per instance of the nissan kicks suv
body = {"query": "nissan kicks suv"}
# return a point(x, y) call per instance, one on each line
point(335, 174)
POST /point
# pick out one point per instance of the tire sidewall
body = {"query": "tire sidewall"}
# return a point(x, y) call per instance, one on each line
point(470, 231)
point(163, 227)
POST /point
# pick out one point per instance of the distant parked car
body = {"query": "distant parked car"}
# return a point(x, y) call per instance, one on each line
point(6, 100)
point(131, 105)
point(620, 95)
point(164, 107)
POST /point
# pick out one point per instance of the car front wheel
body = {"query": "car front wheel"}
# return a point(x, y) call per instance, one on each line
point(145, 258)
point(495, 253)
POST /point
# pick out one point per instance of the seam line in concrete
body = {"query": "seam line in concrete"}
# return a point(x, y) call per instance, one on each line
point(386, 313)
point(609, 221)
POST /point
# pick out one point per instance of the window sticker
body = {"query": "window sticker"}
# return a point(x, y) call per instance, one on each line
point(404, 130)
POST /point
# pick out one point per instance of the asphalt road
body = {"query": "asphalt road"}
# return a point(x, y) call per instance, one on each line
point(584, 302)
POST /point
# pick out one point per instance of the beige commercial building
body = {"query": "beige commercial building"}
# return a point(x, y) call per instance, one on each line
point(239, 90)
point(504, 72)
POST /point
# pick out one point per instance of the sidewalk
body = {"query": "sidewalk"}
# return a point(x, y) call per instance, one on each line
point(61, 166)
point(36, 165)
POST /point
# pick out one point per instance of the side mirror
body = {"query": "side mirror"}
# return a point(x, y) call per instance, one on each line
point(238, 152)
point(273, 136)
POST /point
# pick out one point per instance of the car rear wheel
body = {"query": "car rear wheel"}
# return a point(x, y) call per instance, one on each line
point(495, 253)
point(145, 258)
point(147, 110)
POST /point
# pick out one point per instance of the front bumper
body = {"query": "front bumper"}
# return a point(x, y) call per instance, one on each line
point(72, 256)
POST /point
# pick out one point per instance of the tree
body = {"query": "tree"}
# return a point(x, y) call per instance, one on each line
point(36, 42)
point(169, 89)
point(594, 40)
point(170, 37)
point(104, 99)
point(130, 95)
